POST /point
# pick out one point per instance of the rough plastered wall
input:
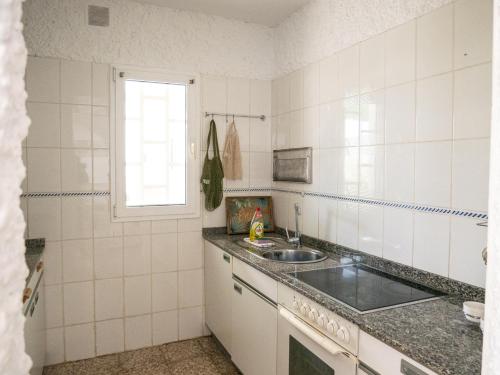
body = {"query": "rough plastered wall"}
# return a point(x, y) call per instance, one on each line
point(149, 35)
point(324, 27)
point(13, 128)
point(491, 344)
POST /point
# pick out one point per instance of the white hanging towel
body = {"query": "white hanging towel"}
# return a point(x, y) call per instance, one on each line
point(231, 157)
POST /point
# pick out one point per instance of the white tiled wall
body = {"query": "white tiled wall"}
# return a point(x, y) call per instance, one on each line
point(404, 117)
point(246, 97)
point(118, 286)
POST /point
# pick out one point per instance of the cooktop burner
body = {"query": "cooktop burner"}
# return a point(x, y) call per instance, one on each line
point(364, 288)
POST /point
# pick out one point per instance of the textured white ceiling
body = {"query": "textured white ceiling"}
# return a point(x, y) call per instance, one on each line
point(265, 12)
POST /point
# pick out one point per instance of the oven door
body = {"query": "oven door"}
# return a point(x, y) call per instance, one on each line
point(304, 350)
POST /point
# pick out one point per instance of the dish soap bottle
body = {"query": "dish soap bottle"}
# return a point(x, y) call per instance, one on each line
point(257, 226)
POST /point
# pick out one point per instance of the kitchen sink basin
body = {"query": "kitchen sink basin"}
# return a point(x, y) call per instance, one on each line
point(294, 255)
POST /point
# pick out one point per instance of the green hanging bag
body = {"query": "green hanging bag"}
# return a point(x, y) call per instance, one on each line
point(212, 174)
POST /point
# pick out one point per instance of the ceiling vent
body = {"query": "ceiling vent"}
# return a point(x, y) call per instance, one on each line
point(98, 16)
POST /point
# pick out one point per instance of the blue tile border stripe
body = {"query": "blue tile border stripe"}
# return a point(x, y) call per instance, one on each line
point(343, 198)
point(107, 193)
point(242, 190)
point(377, 202)
point(66, 194)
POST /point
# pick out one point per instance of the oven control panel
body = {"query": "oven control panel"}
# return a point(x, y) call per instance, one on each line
point(340, 330)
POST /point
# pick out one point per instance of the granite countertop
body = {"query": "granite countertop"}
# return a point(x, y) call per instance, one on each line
point(433, 333)
point(34, 252)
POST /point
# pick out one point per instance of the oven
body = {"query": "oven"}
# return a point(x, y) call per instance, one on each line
point(313, 340)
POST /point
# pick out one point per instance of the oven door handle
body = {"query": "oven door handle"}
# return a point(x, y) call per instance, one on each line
point(318, 338)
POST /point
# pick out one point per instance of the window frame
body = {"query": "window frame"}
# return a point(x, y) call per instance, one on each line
point(119, 210)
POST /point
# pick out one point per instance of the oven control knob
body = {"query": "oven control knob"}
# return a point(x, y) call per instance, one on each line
point(343, 334)
point(313, 315)
point(332, 327)
point(304, 310)
point(322, 321)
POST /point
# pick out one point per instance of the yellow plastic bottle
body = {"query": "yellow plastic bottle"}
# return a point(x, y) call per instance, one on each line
point(257, 225)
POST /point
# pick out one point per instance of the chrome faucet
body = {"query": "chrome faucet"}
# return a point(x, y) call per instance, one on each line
point(296, 240)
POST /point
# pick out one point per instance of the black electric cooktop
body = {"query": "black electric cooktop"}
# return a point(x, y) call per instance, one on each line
point(364, 288)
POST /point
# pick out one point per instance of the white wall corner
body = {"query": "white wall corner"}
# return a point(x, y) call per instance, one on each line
point(13, 129)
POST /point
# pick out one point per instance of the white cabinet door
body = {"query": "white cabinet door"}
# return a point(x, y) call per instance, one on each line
point(384, 359)
point(218, 292)
point(255, 324)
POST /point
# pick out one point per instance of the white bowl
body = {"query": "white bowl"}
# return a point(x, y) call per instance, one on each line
point(473, 311)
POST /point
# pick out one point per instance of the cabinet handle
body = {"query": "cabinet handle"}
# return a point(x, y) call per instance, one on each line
point(27, 294)
point(237, 288)
point(366, 369)
point(408, 369)
point(227, 258)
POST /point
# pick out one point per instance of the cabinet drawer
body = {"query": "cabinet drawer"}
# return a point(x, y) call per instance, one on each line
point(386, 360)
point(216, 257)
point(263, 283)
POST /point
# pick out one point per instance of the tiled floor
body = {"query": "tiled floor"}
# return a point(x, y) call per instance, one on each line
point(191, 357)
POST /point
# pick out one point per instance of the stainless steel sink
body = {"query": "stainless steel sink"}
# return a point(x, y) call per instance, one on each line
point(294, 255)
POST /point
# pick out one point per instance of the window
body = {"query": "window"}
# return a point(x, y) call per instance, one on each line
point(155, 136)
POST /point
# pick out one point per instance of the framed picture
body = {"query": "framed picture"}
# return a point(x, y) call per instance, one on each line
point(240, 211)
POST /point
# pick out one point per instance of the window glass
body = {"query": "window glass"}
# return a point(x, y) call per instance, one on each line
point(155, 143)
point(303, 361)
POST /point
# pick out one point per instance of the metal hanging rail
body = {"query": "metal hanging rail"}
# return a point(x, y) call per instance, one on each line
point(233, 115)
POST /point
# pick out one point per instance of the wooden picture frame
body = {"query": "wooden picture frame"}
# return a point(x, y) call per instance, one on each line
point(240, 211)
